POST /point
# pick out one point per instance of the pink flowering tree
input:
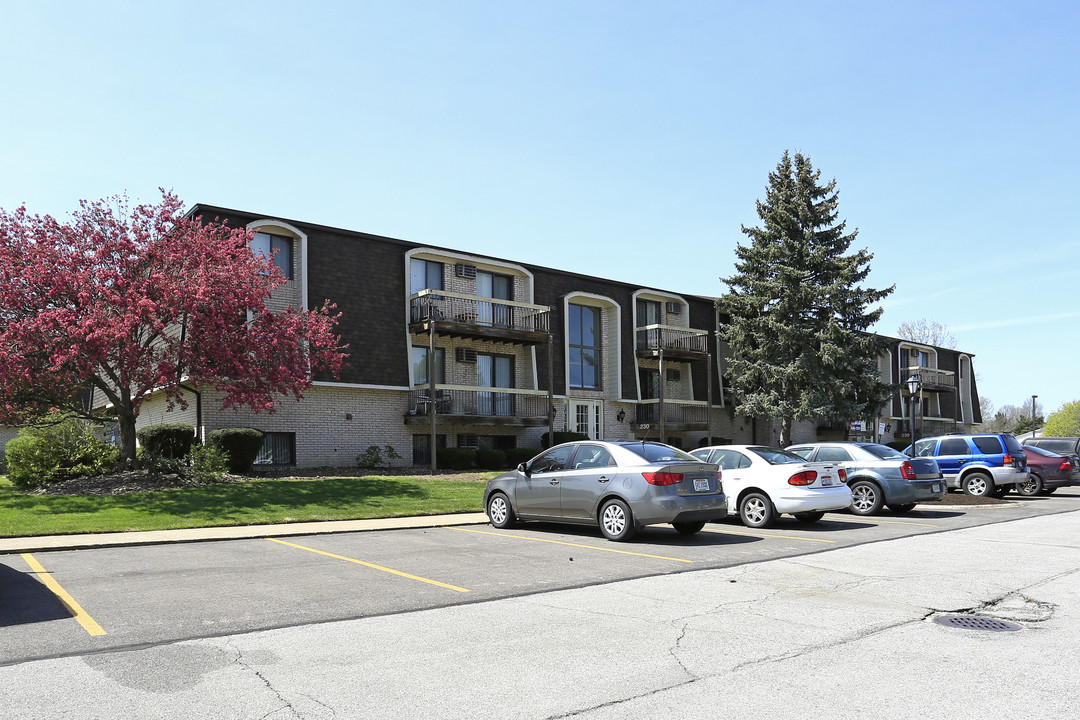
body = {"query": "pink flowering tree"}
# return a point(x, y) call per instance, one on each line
point(135, 301)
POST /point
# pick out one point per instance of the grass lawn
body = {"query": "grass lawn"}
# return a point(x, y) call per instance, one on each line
point(256, 501)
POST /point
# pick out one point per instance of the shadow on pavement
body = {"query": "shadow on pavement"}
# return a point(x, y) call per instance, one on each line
point(23, 599)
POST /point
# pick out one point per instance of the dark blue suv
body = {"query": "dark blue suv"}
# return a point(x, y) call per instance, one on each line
point(983, 464)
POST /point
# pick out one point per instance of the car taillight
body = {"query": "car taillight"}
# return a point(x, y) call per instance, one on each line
point(1066, 466)
point(843, 476)
point(662, 478)
point(907, 471)
point(806, 477)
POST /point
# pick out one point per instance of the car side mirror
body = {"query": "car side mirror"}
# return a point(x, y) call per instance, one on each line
point(523, 469)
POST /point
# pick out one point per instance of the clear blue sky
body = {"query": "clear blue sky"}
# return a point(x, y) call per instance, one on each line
point(624, 139)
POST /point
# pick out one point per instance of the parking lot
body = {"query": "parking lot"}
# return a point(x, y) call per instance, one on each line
point(62, 603)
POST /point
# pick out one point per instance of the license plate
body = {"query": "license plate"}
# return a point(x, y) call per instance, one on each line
point(936, 487)
point(826, 482)
point(701, 485)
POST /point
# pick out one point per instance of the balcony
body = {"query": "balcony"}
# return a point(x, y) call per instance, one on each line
point(472, 316)
point(676, 414)
point(931, 378)
point(678, 343)
point(463, 405)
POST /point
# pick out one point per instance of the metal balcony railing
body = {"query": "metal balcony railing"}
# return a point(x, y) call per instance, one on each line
point(460, 400)
point(674, 411)
point(672, 339)
point(473, 310)
point(931, 378)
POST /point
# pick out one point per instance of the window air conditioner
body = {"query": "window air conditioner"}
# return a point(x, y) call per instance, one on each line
point(466, 355)
point(465, 271)
point(674, 308)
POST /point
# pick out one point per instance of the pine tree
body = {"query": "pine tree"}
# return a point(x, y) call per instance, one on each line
point(799, 319)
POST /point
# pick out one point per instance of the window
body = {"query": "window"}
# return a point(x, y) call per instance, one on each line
point(956, 446)
point(425, 275)
point(650, 383)
point(487, 442)
point(592, 456)
point(494, 371)
point(584, 343)
point(554, 459)
point(420, 366)
point(499, 287)
point(988, 445)
point(278, 448)
point(279, 246)
point(421, 448)
point(832, 454)
point(730, 459)
point(648, 313)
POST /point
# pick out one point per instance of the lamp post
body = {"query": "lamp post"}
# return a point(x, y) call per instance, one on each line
point(913, 384)
point(1033, 415)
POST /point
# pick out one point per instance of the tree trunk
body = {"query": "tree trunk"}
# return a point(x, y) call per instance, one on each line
point(126, 421)
point(785, 431)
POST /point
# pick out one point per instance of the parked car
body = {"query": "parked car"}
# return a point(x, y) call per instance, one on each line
point(879, 475)
point(620, 486)
point(985, 464)
point(1063, 445)
point(1048, 471)
point(762, 483)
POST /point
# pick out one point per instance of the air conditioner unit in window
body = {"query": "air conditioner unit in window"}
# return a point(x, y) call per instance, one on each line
point(674, 308)
point(674, 375)
point(466, 355)
point(465, 271)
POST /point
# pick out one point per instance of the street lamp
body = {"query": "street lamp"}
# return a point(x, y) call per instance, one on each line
point(1033, 415)
point(913, 384)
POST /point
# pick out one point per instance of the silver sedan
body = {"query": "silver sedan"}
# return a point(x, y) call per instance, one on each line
point(620, 486)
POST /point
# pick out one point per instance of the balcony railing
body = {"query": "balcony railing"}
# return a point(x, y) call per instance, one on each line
point(675, 341)
point(450, 308)
point(674, 411)
point(464, 401)
point(931, 378)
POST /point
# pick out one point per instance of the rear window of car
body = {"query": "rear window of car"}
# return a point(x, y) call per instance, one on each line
point(990, 444)
point(956, 446)
point(655, 452)
point(1013, 445)
point(1055, 444)
point(776, 456)
point(884, 452)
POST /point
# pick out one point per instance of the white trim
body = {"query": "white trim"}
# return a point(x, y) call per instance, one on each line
point(429, 253)
point(255, 225)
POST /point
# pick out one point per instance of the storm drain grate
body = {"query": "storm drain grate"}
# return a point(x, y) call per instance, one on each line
point(976, 622)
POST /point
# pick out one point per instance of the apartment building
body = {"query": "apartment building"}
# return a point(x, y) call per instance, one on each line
point(463, 350)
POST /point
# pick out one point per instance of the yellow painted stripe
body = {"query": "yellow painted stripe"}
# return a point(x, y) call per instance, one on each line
point(767, 535)
point(73, 607)
point(560, 542)
point(370, 565)
point(884, 522)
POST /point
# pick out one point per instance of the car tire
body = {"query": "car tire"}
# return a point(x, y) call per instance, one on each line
point(866, 498)
point(756, 510)
point(1049, 491)
point(1001, 491)
point(616, 520)
point(979, 484)
point(1032, 486)
point(688, 528)
point(500, 512)
point(901, 508)
point(809, 517)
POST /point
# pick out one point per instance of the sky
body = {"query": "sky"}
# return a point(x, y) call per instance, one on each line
point(624, 139)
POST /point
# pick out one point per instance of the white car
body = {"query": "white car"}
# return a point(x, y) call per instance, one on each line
point(762, 483)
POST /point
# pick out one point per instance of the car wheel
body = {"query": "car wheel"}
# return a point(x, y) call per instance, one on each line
point(616, 520)
point(756, 511)
point(1032, 486)
point(866, 498)
point(901, 508)
point(688, 528)
point(1049, 491)
point(979, 485)
point(809, 517)
point(1001, 491)
point(499, 511)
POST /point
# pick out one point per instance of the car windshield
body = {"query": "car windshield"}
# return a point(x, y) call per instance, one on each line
point(658, 452)
point(776, 456)
point(884, 452)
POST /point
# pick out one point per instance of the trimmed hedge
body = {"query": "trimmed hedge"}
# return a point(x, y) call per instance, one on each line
point(240, 445)
point(491, 459)
point(456, 458)
point(516, 456)
point(562, 436)
point(169, 440)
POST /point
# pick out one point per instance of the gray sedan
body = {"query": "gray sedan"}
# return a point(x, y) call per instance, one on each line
point(620, 486)
point(879, 475)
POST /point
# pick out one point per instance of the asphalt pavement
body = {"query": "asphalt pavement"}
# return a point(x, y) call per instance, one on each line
point(850, 632)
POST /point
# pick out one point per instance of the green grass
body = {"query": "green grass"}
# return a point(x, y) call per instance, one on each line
point(255, 502)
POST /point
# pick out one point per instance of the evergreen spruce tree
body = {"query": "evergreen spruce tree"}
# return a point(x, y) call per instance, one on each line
point(799, 319)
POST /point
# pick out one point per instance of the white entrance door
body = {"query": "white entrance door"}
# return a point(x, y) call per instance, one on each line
point(586, 416)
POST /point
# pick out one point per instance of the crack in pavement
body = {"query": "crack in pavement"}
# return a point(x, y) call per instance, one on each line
point(285, 704)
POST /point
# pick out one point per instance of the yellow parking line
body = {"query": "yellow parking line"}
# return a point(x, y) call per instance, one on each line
point(766, 535)
point(73, 607)
point(884, 522)
point(560, 542)
point(367, 564)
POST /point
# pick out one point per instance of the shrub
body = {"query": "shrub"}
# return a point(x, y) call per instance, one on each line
point(562, 436)
point(59, 448)
point(491, 459)
point(516, 456)
point(169, 440)
point(239, 445)
point(456, 458)
point(208, 464)
point(373, 457)
point(706, 442)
